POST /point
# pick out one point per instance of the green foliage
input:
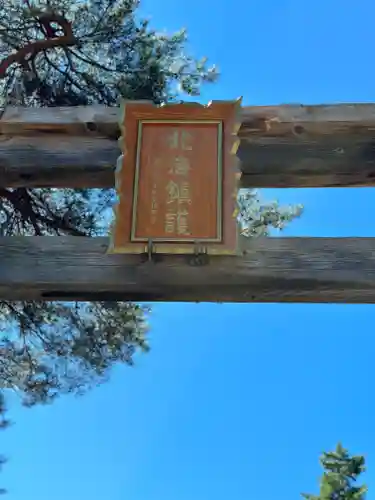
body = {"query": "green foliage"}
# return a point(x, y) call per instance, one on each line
point(115, 56)
point(341, 471)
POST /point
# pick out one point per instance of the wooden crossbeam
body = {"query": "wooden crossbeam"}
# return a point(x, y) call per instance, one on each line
point(281, 146)
point(273, 270)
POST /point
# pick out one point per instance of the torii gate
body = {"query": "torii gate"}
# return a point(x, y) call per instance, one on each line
point(281, 146)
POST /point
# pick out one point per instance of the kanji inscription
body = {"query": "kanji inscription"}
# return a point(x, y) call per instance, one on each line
point(178, 186)
point(177, 179)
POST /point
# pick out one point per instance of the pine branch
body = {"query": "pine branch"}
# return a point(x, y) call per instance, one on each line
point(32, 49)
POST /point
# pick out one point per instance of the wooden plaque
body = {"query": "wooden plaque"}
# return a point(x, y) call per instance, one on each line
point(176, 180)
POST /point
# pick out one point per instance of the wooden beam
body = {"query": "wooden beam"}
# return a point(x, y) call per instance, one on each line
point(75, 120)
point(57, 161)
point(291, 119)
point(273, 270)
point(281, 146)
point(324, 161)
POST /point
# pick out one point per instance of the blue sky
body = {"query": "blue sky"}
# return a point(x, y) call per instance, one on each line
point(234, 401)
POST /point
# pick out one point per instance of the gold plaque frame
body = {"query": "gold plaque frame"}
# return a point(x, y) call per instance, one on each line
point(134, 116)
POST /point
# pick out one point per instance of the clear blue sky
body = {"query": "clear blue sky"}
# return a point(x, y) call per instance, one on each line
point(234, 401)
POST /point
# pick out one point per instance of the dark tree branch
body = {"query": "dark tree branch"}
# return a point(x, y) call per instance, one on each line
point(33, 48)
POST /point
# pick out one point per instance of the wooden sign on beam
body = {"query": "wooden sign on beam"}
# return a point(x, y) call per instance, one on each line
point(177, 179)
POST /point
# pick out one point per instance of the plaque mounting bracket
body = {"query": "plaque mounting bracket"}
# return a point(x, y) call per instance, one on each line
point(200, 257)
point(149, 255)
point(150, 247)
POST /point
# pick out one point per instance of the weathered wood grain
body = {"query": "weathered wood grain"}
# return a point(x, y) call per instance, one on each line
point(57, 161)
point(274, 270)
point(77, 120)
point(292, 119)
point(281, 146)
point(79, 162)
point(340, 160)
